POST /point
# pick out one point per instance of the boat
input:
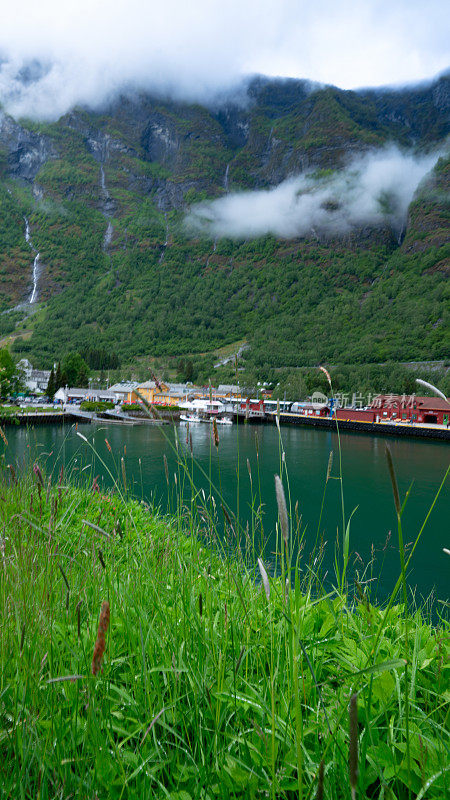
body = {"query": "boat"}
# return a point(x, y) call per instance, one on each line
point(189, 418)
point(224, 421)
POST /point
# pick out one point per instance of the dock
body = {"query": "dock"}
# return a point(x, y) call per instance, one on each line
point(415, 430)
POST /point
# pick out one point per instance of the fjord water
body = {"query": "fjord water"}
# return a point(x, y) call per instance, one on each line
point(366, 482)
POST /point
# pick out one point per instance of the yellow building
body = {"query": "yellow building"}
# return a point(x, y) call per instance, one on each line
point(125, 391)
point(153, 391)
point(164, 394)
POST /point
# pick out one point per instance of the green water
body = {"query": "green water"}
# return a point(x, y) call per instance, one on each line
point(367, 485)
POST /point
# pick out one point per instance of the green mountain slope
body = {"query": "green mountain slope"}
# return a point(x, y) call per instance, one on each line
point(105, 194)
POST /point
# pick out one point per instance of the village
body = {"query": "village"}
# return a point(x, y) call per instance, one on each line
point(185, 402)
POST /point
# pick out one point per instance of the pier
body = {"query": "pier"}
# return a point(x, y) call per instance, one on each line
point(415, 430)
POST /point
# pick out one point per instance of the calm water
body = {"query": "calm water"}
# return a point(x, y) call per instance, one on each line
point(366, 483)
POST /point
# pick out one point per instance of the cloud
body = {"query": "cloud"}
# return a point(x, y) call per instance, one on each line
point(93, 48)
point(375, 189)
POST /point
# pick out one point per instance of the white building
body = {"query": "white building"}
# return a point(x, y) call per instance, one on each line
point(204, 405)
point(69, 395)
point(36, 380)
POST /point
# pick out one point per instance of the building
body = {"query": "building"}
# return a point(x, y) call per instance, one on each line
point(76, 395)
point(125, 391)
point(203, 405)
point(312, 409)
point(36, 380)
point(228, 391)
point(247, 405)
point(165, 394)
point(404, 409)
point(411, 408)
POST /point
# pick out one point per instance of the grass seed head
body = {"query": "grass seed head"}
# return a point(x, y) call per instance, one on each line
point(100, 644)
point(327, 375)
point(38, 474)
point(215, 434)
point(2, 434)
point(282, 509)
point(432, 388)
point(330, 465)
point(264, 578)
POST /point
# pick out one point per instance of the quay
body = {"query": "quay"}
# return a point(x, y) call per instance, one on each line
point(75, 415)
point(415, 430)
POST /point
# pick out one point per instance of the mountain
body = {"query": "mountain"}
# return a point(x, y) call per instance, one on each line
point(103, 195)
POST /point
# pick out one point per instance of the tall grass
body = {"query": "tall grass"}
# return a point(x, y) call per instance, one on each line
point(211, 683)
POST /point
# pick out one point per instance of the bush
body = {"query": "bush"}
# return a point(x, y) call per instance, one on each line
point(90, 405)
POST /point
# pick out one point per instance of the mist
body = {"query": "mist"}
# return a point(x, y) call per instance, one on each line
point(373, 190)
point(56, 55)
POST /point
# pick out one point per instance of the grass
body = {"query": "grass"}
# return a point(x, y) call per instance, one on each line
point(7, 412)
point(214, 683)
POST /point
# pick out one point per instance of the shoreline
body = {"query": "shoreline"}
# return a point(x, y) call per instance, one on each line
point(437, 433)
point(371, 428)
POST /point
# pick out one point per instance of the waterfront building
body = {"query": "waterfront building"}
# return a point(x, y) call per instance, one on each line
point(411, 408)
point(69, 395)
point(36, 380)
point(125, 391)
point(165, 394)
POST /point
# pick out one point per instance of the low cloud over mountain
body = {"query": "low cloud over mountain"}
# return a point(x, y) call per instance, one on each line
point(374, 189)
point(56, 55)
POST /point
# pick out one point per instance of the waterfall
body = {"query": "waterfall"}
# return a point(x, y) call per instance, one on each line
point(103, 183)
point(35, 278)
point(166, 241)
point(108, 235)
point(213, 251)
point(108, 202)
point(36, 270)
point(225, 180)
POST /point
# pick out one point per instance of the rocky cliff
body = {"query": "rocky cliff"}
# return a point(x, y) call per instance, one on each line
point(105, 194)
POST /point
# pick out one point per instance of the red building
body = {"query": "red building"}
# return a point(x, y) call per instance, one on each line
point(411, 408)
point(248, 404)
point(355, 415)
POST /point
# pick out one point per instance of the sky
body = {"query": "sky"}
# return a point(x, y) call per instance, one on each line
point(193, 50)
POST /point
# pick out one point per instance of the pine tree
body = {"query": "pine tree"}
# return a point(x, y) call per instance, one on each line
point(58, 377)
point(51, 386)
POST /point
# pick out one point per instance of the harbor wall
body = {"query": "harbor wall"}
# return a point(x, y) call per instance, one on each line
point(377, 428)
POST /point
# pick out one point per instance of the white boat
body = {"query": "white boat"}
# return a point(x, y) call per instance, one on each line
point(189, 418)
point(224, 421)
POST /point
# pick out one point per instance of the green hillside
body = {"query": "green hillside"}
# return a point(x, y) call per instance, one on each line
point(104, 192)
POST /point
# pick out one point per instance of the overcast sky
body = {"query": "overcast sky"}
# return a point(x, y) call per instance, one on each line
point(193, 48)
